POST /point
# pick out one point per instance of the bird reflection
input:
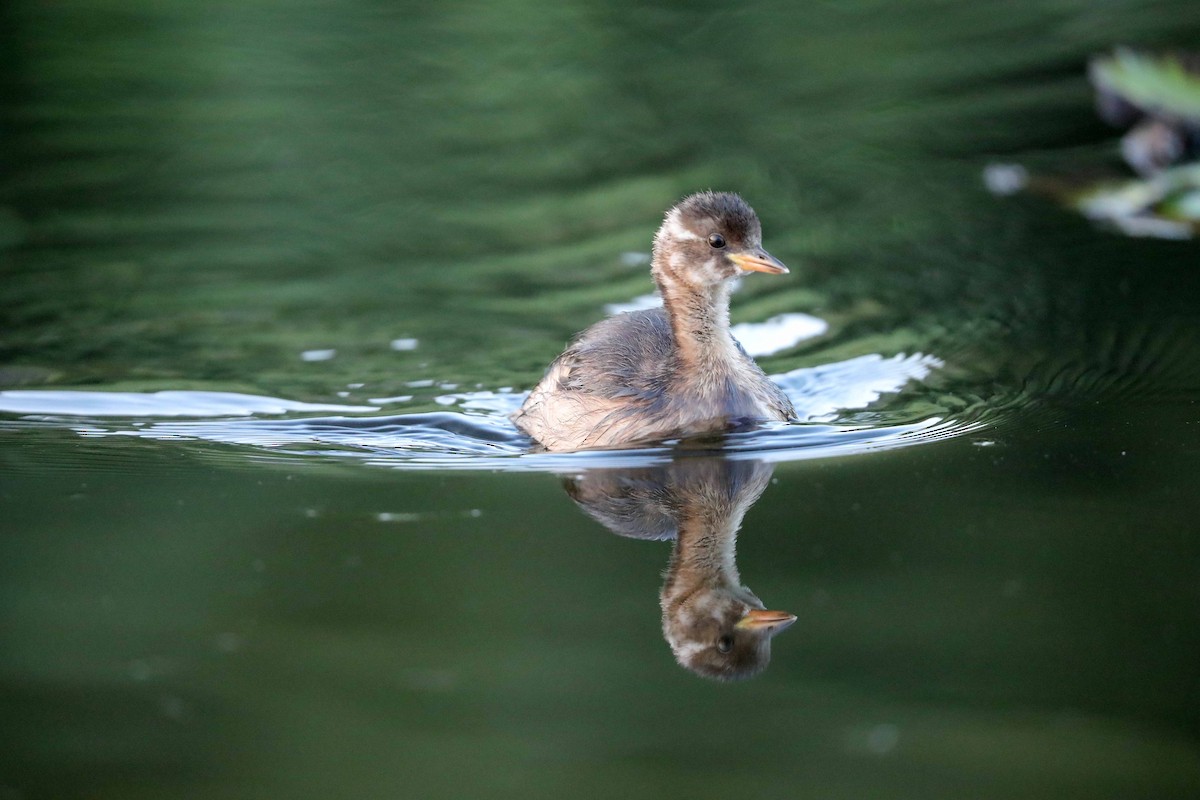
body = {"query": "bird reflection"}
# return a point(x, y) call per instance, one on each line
point(716, 627)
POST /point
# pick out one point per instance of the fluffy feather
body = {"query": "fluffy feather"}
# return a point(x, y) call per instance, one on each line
point(674, 371)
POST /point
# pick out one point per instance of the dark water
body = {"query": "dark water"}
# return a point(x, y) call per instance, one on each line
point(271, 274)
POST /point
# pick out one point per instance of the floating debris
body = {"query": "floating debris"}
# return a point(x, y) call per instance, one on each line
point(1158, 98)
point(1164, 206)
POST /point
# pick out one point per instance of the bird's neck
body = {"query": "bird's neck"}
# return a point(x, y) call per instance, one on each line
point(708, 516)
point(699, 318)
point(705, 552)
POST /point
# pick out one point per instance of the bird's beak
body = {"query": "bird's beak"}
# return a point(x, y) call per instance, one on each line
point(758, 619)
point(758, 261)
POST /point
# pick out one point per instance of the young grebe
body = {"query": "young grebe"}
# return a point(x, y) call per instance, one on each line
point(672, 371)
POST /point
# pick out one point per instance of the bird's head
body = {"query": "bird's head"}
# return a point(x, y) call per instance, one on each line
point(723, 632)
point(710, 238)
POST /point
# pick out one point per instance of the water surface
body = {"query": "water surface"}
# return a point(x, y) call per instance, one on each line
point(272, 275)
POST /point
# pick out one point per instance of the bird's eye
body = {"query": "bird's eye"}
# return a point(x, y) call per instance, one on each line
point(716, 240)
point(724, 644)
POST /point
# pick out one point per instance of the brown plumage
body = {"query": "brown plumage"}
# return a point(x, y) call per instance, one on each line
point(673, 371)
point(715, 625)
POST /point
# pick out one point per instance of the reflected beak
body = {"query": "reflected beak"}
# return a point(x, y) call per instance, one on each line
point(770, 621)
point(758, 261)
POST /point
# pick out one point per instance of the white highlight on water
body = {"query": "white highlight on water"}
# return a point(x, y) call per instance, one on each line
point(156, 404)
point(383, 401)
point(778, 333)
point(820, 393)
point(759, 338)
point(639, 303)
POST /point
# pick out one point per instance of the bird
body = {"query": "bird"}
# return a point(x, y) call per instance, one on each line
point(715, 625)
point(675, 371)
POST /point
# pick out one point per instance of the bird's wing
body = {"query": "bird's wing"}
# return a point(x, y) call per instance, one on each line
point(626, 357)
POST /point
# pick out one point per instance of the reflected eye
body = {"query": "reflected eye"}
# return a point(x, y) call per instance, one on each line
point(724, 644)
point(716, 240)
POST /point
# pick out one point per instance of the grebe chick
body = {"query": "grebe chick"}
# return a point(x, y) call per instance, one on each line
point(673, 371)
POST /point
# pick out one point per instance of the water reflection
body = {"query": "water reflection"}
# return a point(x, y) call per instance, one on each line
point(715, 625)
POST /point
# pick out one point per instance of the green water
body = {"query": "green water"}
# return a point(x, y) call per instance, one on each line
point(994, 559)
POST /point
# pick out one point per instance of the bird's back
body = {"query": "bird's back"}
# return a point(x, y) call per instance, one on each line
point(621, 381)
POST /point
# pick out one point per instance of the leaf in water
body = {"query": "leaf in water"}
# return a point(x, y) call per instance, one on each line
point(1167, 85)
point(1159, 95)
point(1165, 206)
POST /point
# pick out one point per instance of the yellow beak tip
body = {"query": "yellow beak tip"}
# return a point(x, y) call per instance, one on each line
point(758, 262)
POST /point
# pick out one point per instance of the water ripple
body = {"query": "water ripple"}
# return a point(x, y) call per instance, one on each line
point(156, 404)
point(471, 430)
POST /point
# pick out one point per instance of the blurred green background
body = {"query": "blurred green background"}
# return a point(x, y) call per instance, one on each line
point(193, 195)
